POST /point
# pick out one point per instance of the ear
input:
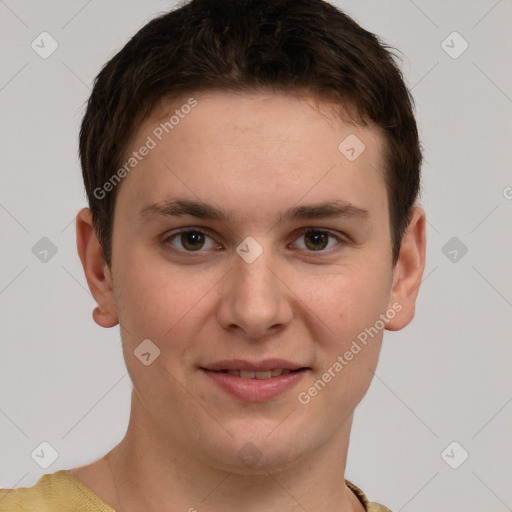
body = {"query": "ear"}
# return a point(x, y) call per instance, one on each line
point(408, 271)
point(96, 270)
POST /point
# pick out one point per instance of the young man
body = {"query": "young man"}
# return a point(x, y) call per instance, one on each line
point(252, 169)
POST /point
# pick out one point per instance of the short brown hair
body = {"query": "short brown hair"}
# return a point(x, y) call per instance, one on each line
point(248, 45)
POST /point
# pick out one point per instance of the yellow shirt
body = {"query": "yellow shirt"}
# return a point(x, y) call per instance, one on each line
point(62, 492)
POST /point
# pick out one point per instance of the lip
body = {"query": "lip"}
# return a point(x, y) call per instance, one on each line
point(255, 390)
point(260, 366)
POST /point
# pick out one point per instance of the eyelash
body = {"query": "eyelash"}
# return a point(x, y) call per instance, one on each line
point(339, 239)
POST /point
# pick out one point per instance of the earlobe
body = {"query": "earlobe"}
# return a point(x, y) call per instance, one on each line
point(408, 271)
point(103, 318)
point(96, 271)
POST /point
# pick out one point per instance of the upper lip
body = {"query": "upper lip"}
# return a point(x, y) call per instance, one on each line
point(256, 366)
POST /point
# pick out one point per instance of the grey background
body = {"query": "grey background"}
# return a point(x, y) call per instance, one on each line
point(444, 378)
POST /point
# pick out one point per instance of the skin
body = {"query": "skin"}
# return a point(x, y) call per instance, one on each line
point(255, 155)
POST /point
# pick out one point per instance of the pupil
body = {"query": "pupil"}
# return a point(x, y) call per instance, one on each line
point(316, 240)
point(192, 240)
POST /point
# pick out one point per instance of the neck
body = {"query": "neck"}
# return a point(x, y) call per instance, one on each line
point(151, 473)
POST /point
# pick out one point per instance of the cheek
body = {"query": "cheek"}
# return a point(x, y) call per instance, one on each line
point(348, 351)
point(163, 308)
point(350, 300)
point(162, 303)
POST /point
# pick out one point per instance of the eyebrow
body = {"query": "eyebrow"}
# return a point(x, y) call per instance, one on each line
point(201, 210)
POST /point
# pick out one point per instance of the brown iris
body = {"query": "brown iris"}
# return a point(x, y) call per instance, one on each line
point(316, 240)
point(192, 240)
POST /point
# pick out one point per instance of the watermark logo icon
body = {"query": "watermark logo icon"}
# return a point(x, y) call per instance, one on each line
point(249, 455)
point(351, 147)
point(249, 249)
point(454, 455)
point(454, 249)
point(44, 45)
point(44, 250)
point(454, 45)
point(44, 455)
point(146, 352)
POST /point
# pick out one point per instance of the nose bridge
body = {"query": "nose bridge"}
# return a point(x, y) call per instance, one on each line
point(252, 260)
point(254, 284)
point(255, 300)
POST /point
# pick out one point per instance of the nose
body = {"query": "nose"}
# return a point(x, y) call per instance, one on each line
point(254, 299)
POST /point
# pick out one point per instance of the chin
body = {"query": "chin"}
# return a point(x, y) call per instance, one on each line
point(254, 451)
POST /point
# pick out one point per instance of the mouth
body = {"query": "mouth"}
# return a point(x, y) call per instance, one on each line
point(255, 382)
point(261, 375)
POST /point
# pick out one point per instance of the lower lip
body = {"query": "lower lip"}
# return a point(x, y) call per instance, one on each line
point(255, 390)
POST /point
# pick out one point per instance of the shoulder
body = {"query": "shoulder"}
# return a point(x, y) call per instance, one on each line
point(377, 507)
point(370, 506)
point(55, 492)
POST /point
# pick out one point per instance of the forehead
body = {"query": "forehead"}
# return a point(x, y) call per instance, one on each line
point(251, 147)
point(281, 117)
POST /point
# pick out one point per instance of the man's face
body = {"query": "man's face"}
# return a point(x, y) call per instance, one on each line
point(289, 259)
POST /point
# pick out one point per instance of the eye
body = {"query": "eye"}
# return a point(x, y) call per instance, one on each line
point(191, 240)
point(317, 240)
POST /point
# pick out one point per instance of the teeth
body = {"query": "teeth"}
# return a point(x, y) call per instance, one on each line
point(263, 375)
point(248, 374)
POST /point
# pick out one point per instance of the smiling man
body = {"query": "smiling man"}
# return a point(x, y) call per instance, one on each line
point(252, 169)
